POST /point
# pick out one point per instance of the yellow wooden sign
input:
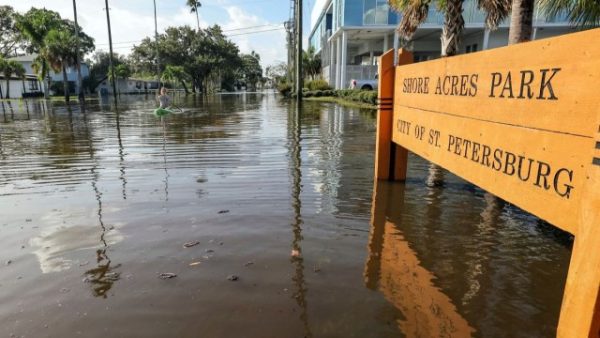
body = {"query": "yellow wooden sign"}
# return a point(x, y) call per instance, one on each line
point(522, 122)
point(519, 122)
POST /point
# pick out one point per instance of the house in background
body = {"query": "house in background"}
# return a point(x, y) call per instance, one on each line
point(351, 34)
point(128, 86)
point(21, 88)
point(27, 62)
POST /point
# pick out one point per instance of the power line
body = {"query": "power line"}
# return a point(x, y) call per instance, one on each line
point(227, 30)
point(248, 33)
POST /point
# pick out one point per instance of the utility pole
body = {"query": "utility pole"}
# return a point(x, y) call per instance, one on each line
point(78, 54)
point(299, 84)
point(156, 40)
point(110, 59)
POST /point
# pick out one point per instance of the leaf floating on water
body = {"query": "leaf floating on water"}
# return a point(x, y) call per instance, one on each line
point(195, 263)
point(191, 244)
point(167, 275)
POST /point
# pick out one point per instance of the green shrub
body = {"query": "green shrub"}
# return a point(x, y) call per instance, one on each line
point(308, 93)
point(356, 95)
point(284, 88)
point(317, 85)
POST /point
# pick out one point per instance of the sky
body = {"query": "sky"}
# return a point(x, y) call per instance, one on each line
point(133, 20)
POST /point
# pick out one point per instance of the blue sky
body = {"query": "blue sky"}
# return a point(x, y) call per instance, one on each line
point(132, 20)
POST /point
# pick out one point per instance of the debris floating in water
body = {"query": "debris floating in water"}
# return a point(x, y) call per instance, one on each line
point(167, 275)
point(223, 211)
point(295, 253)
point(191, 244)
point(232, 278)
point(195, 263)
point(249, 263)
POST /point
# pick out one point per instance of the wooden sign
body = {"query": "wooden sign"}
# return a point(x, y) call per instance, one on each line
point(522, 122)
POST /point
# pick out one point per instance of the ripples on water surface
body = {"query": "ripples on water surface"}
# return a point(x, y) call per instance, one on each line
point(95, 205)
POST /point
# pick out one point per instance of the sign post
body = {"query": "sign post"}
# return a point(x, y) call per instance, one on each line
point(522, 122)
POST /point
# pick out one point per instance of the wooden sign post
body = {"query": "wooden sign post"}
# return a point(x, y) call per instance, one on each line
point(522, 122)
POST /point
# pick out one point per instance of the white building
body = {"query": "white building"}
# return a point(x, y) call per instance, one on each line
point(350, 34)
point(21, 88)
point(27, 62)
point(128, 86)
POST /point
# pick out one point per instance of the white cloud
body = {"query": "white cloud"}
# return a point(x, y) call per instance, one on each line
point(271, 45)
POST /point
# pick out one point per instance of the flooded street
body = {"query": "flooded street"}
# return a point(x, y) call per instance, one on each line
point(270, 220)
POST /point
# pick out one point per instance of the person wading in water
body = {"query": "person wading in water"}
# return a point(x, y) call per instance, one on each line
point(163, 99)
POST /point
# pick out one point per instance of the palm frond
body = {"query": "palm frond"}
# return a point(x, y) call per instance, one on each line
point(496, 11)
point(582, 13)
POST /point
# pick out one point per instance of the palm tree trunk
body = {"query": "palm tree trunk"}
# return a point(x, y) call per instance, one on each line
point(453, 26)
point(197, 18)
point(521, 21)
point(65, 83)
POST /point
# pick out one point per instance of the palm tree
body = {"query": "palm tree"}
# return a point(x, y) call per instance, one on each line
point(453, 27)
point(8, 68)
point(41, 67)
point(414, 13)
point(59, 52)
point(521, 21)
point(583, 13)
point(496, 11)
point(311, 63)
point(193, 5)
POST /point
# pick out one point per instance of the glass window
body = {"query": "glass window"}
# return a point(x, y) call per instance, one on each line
point(353, 13)
point(376, 12)
point(369, 12)
point(381, 12)
point(33, 85)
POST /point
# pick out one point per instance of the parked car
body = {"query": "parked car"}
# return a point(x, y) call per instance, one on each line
point(364, 84)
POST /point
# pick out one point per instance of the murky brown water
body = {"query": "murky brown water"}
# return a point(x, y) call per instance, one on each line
point(95, 205)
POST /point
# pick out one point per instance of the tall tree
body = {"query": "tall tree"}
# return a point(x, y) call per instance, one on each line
point(35, 26)
point(194, 4)
point(251, 70)
point(583, 13)
point(59, 52)
point(10, 36)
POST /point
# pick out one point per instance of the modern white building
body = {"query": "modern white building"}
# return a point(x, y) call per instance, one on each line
point(350, 34)
point(27, 62)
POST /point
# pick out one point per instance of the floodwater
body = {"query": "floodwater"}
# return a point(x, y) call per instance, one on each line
point(293, 238)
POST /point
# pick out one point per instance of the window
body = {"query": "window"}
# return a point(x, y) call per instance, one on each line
point(375, 12)
point(33, 85)
point(472, 48)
